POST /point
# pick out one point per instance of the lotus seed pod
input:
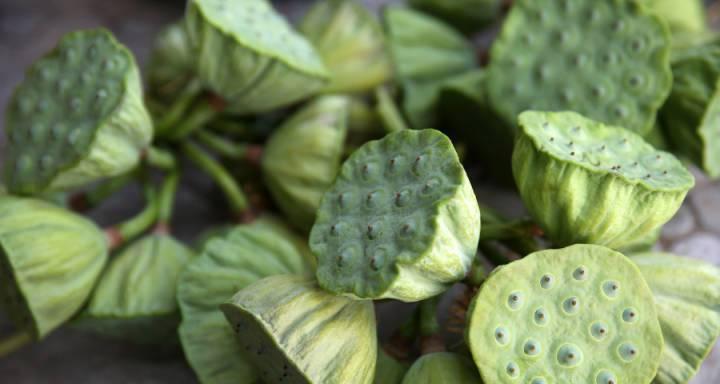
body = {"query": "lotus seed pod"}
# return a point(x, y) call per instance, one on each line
point(302, 158)
point(687, 293)
point(585, 182)
point(171, 62)
point(577, 315)
point(683, 17)
point(294, 332)
point(50, 260)
point(77, 117)
point(250, 55)
point(691, 114)
point(229, 262)
point(607, 61)
point(135, 297)
point(465, 15)
point(441, 368)
point(350, 42)
point(401, 220)
point(388, 370)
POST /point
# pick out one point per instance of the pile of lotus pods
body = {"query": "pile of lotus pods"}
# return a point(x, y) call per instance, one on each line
point(331, 141)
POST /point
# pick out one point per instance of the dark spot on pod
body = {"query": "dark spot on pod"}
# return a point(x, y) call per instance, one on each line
point(512, 369)
point(538, 380)
point(569, 355)
point(515, 300)
point(611, 288)
point(417, 164)
point(580, 273)
point(334, 229)
point(605, 377)
point(402, 197)
point(629, 315)
point(627, 352)
point(341, 200)
point(531, 347)
point(571, 305)
point(371, 199)
point(540, 317)
point(547, 281)
point(502, 336)
point(598, 331)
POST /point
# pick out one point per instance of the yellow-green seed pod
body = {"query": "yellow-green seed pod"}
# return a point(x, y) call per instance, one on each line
point(50, 260)
point(441, 368)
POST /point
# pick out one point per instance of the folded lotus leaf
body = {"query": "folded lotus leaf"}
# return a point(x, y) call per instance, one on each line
point(687, 295)
point(465, 15)
point(295, 332)
point(691, 115)
point(302, 158)
point(50, 260)
point(350, 42)
point(586, 182)
point(387, 369)
point(228, 262)
point(441, 368)
point(135, 297)
point(608, 60)
point(250, 55)
point(401, 220)
point(78, 116)
point(577, 315)
point(172, 60)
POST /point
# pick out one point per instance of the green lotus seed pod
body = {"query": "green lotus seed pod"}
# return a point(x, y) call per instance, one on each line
point(229, 262)
point(388, 370)
point(687, 293)
point(687, 16)
point(585, 182)
point(351, 44)
point(578, 315)
point(440, 368)
point(77, 117)
point(50, 260)
point(465, 15)
point(691, 114)
point(172, 61)
point(250, 55)
point(294, 332)
point(606, 60)
point(135, 297)
point(302, 158)
point(401, 220)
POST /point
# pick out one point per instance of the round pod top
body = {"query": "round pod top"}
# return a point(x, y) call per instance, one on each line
point(50, 260)
point(401, 220)
point(350, 43)
point(607, 60)
point(387, 369)
point(687, 293)
point(77, 116)
point(294, 332)
point(465, 15)
point(228, 262)
point(251, 56)
point(440, 368)
point(172, 61)
point(586, 182)
point(135, 297)
point(578, 315)
point(302, 158)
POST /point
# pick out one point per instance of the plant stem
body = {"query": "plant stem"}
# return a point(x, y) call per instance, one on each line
point(202, 112)
point(430, 338)
point(227, 148)
point(493, 253)
point(389, 114)
point(87, 200)
point(175, 113)
point(14, 342)
point(508, 230)
point(121, 233)
point(233, 192)
point(166, 201)
point(159, 158)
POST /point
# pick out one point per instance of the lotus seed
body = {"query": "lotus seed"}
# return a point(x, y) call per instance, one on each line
point(512, 369)
point(605, 377)
point(580, 273)
point(540, 317)
point(611, 288)
point(569, 355)
point(628, 352)
point(532, 348)
point(538, 380)
point(515, 300)
point(598, 331)
point(571, 305)
point(629, 315)
point(546, 281)
point(502, 336)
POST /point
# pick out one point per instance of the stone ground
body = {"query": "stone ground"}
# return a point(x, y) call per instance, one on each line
point(28, 28)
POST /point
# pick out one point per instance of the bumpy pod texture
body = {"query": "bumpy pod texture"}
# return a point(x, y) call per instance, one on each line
point(440, 368)
point(687, 293)
point(608, 60)
point(350, 43)
point(691, 115)
point(302, 158)
point(578, 315)
point(294, 332)
point(388, 370)
point(135, 298)
point(401, 220)
point(229, 262)
point(426, 53)
point(586, 182)
point(77, 117)
point(251, 56)
point(465, 15)
point(172, 59)
point(50, 260)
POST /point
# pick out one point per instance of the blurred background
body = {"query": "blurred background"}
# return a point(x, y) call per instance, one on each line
point(29, 28)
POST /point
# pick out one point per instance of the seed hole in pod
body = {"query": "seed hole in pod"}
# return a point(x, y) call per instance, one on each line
point(512, 369)
point(540, 316)
point(629, 315)
point(402, 197)
point(611, 288)
point(628, 352)
point(621, 112)
point(430, 186)
point(417, 164)
point(377, 260)
point(546, 281)
point(371, 199)
point(515, 300)
point(538, 380)
point(532, 347)
point(580, 273)
point(571, 305)
point(46, 162)
point(598, 91)
point(406, 229)
point(598, 330)
point(502, 335)
point(605, 377)
point(569, 355)
point(373, 230)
